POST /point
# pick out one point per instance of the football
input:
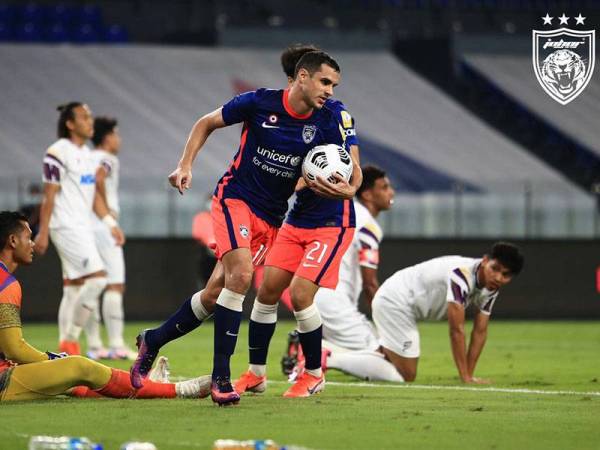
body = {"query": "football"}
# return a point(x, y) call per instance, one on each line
point(326, 160)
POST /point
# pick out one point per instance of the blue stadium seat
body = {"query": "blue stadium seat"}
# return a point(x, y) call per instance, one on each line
point(60, 13)
point(85, 34)
point(6, 32)
point(7, 13)
point(116, 34)
point(90, 15)
point(57, 32)
point(28, 32)
point(32, 13)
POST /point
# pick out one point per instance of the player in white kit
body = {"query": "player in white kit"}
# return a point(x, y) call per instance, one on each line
point(107, 143)
point(433, 290)
point(65, 217)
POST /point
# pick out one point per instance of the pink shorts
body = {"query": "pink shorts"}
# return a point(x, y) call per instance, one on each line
point(314, 254)
point(236, 226)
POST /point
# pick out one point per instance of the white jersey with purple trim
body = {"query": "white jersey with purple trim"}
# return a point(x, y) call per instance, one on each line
point(110, 163)
point(364, 251)
point(434, 283)
point(71, 167)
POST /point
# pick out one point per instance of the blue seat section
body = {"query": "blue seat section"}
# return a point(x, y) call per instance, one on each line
point(407, 174)
point(82, 24)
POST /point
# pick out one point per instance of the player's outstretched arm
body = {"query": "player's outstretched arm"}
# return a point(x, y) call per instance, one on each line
point(456, 324)
point(370, 283)
point(46, 208)
point(478, 338)
point(181, 177)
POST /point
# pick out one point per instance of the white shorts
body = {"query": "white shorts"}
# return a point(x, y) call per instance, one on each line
point(111, 254)
point(77, 250)
point(396, 323)
point(343, 324)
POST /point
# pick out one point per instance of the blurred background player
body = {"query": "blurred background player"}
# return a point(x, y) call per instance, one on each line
point(248, 207)
point(305, 256)
point(107, 144)
point(434, 289)
point(65, 216)
point(27, 373)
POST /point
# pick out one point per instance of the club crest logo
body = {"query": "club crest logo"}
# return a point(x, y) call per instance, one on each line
point(308, 133)
point(563, 59)
point(244, 231)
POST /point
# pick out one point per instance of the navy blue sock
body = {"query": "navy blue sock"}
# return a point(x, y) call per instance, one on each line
point(259, 338)
point(311, 346)
point(179, 324)
point(227, 327)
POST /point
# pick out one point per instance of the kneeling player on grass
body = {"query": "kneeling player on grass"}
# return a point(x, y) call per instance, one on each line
point(27, 373)
point(432, 290)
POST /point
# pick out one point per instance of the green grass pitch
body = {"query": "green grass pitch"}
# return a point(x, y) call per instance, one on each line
point(522, 358)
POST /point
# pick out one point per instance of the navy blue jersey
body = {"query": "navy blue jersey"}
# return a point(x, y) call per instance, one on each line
point(312, 211)
point(273, 144)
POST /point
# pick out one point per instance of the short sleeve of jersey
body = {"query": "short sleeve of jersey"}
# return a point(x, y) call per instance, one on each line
point(487, 305)
point(107, 165)
point(54, 165)
point(10, 304)
point(239, 108)
point(458, 286)
point(369, 238)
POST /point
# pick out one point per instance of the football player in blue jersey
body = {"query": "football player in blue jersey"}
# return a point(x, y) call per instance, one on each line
point(249, 203)
point(306, 256)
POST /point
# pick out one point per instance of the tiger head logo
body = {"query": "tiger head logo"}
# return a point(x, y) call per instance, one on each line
point(563, 71)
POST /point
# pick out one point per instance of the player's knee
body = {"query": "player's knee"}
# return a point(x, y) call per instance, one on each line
point(268, 295)
point(83, 368)
point(300, 298)
point(408, 373)
point(239, 280)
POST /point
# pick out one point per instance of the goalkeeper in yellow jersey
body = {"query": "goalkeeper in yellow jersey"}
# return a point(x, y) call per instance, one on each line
point(27, 373)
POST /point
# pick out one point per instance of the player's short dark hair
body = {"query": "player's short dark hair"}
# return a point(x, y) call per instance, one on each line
point(291, 55)
point(508, 255)
point(10, 223)
point(66, 113)
point(312, 61)
point(103, 126)
point(370, 175)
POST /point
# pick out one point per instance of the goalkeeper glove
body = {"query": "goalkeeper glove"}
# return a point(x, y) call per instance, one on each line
point(52, 355)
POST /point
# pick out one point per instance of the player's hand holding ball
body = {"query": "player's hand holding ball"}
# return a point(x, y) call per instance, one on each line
point(181, 178)
point(327, 170)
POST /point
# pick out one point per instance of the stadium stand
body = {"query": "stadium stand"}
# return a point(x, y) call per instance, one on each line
point(513, 74)
point(158, 92)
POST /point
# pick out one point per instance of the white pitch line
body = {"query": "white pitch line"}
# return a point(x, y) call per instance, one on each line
point(442, 388)
point(455, 388)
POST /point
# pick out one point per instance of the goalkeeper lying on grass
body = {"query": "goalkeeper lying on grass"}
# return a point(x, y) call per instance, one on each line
point(27, 373)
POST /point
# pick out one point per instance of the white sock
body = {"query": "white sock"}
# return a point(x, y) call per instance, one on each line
point(84, 307)
point(65, 310)
point(259, 370)
point(198, 308)
point(230, 300)
point(112, 312)
point(364, 364)
point(92, 328)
